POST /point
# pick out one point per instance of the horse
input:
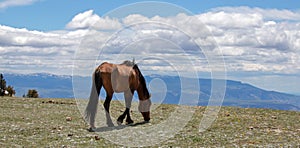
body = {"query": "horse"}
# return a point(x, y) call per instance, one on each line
point(125, 77)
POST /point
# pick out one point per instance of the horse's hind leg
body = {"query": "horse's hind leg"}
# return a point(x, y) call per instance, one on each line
point(106, 106)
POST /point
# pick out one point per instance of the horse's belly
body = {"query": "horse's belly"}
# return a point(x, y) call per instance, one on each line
point(120, 84)
point(120, 78)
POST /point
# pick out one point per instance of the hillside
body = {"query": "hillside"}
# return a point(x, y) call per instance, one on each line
point(48, 85)
point(237, 93)
point(57, 123)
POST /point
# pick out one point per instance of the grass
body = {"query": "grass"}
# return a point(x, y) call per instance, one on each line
point(28, 122)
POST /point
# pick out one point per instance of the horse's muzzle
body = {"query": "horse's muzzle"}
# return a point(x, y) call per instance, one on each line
point(146, 116)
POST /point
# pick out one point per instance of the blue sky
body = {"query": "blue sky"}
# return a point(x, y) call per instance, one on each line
point(48, 15)
point(259, 40)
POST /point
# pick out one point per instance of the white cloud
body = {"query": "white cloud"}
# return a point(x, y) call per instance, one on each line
point(238, 44)
point(10, 3)
point(268, 14)
point(231, 20)
point(27, 51)
point(250, 38)
point(22, 37)
point(134, 18)
point(88, 19)
point(241, 35)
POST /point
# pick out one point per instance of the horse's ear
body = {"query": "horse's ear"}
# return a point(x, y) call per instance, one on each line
point(135, 67)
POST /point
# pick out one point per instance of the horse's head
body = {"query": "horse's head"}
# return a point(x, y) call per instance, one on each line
point(144, 95)
point(144, 108)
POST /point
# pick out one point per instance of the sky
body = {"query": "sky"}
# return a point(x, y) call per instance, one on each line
point(253, 41)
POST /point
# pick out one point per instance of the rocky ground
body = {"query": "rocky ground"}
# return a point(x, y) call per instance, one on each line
point(28, 122)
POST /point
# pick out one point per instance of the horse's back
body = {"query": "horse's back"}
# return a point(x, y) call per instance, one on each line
point(118, 75)
point(106, 67)
point(122, 69)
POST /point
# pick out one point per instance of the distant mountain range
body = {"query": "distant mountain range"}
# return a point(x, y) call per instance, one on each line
point(167, 88)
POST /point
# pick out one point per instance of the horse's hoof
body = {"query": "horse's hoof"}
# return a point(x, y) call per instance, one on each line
point(110, 125)
point(129, 122)
point(119, 123)
point(120, 120)
point(91, 130)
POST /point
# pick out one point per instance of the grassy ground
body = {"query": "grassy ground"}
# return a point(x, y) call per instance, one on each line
point(44, 123)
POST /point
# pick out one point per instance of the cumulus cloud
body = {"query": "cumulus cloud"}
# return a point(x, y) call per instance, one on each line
point(135, 18)
point(251, 40)
point(255, 40)
point(231, 20)
point(242, 34)
point(10, 3)
point(268, 14)
point(88, 19)
point(23, 37)
point(32, 51)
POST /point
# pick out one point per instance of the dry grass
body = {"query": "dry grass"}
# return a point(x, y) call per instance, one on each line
point(42, 123)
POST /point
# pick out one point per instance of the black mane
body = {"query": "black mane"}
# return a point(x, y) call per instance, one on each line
point(142, 81)
point(129, 63)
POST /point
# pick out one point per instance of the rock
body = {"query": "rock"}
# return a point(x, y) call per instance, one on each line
point(277, 131)
point(97, 137)
point(227, 114)
point(68, 118)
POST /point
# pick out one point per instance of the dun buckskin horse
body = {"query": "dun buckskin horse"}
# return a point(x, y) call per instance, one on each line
point(125, 77)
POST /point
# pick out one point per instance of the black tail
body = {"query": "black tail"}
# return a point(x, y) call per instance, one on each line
point(91, 109)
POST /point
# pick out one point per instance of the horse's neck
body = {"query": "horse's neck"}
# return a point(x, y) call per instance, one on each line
point(140, 93)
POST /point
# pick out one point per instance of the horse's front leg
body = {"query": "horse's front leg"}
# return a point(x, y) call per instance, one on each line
point(128, 119)
point(128, 99)
point(121, 118)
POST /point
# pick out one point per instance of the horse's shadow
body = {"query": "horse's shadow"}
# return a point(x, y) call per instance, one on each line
point(118, 127)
